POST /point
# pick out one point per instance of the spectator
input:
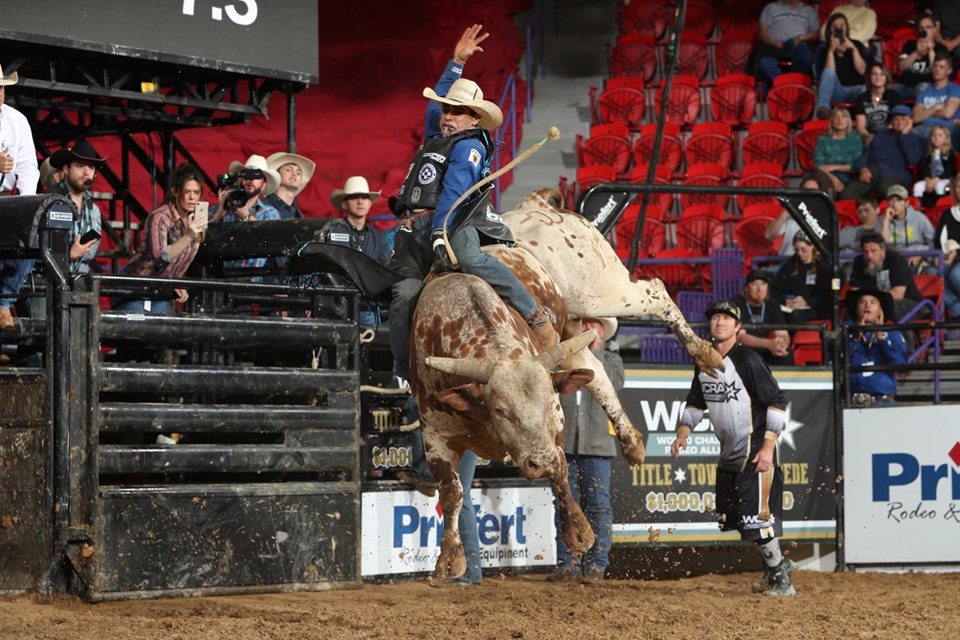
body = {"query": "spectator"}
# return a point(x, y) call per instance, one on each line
point(172, 235)
point(872, 110)
point(257, 180)
point(18, 174)
point(947, 15)
point(802, 283)
point(79, 165)
point(873, 388)
point(757, 307)
point(887, 160)
point(785, 227)
point(295, 172)
point(947, 239)
point(49, 177)
point(916, 57)
point(904, 228)
point(589, 445)
point(936, 169)
point(877, 268)
point(869, 212)
point(835, 154)
point(786, 26)
point(353, 231)
point(938, 103)
point(841, 64)
point(861, 18)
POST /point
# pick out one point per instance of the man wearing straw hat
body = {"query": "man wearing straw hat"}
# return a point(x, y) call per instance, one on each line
point(295, 172)
point(353, 231)
point(455, 156)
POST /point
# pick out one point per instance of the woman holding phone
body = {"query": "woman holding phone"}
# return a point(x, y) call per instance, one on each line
point(171, 238)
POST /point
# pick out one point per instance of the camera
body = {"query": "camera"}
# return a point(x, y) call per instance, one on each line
point(236, 196)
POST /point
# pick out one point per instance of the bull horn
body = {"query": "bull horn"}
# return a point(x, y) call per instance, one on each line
point(555, 355)
point(468, 368)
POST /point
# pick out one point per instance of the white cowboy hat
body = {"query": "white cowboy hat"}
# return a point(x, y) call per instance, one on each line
point(5, 80)
point(467, 93)
point(307, 166)
point(355, 185)
point(609, 325)
point(260, 163)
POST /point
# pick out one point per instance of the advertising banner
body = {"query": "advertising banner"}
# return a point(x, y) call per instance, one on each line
point(671, 501)
point(902, 485)
point(401, 530)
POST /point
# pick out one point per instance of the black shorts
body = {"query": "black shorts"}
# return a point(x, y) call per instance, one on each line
point(751, 502)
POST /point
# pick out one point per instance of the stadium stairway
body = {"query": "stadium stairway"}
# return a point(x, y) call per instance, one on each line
point(575, 60)
point(916, 387)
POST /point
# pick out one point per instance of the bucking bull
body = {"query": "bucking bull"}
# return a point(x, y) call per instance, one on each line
point(478, 378)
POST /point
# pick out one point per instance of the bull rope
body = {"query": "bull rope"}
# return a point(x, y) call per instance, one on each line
point(552, 134)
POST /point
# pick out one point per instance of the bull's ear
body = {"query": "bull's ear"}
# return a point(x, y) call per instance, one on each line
point(571, 380)
point(462, 398)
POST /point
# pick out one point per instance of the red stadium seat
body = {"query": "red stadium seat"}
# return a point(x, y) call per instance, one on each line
point(711, 142)
point(766, 141)
point(586, 178)
point(622, 100)
point(608, 144)
point(791, 99)
point(734, 99)
point(671, 149)
point(705, 173)
point(733, 51)
point(749, 231)
point(654, 239)
point(682, 273)
point(647, 18)
point(634, 55)
point(639, 176)
point(807, 347)
point(893, 47)
point(700, 18)
point(892, 15)
point(683, 107)
point(701, 229)
point(847, 213)
point(742, 15)
point(759, 174)
point(826, 7)
point(693, 58)
point(806, 140)
point(936, 212)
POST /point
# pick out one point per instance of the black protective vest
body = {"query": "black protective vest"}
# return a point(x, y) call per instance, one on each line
point(421, 187)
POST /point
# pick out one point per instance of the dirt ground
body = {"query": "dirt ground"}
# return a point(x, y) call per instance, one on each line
point(848, 605)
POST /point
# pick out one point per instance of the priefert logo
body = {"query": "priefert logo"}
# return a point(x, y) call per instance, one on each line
point(903, 470)
point(426, 530)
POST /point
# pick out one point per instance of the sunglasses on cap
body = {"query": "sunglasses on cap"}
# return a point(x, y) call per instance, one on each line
point(457, 111)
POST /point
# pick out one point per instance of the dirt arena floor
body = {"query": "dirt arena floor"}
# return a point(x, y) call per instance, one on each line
point(849, 605)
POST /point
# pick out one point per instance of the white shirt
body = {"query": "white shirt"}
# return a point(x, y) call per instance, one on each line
point(17, 138)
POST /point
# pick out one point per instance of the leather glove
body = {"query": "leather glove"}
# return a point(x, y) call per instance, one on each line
point(441, 261)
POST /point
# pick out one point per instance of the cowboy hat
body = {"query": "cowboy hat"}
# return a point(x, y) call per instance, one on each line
point(609, 327)
point(259, 163)
point(355, 185)
point(307, 166)
point(6, 80)
point(467, 93)
point(81, 151)
point(886, 303)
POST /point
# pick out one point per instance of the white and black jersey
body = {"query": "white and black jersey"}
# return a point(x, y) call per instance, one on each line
point(744, 402)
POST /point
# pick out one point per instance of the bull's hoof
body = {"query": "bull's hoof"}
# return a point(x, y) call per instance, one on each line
point(578, 536)
point(635, 452)
point(706, 357)
point(451, 564)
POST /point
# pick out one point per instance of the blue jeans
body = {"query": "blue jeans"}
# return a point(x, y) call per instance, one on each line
point(769, 63)
point(951, 290)
point(467, 525)
point(589, 478)
point(466, 246)
point(13, 273)
point(831, 91)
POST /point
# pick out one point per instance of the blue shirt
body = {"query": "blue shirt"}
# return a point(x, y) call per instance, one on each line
point(870, 351)
point(931, 97)
point(259, 211)
point(893, 153)
point(286, 211)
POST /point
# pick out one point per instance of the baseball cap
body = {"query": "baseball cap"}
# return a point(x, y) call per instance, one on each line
point(724, 306)
point(898, 190)
point(901, 110)
point(758, 274)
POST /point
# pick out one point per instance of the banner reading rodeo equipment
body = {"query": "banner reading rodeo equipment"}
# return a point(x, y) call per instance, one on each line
point(671, 501)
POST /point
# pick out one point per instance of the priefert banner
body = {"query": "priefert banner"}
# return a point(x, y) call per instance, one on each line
point(401, 530)
point(902, 485)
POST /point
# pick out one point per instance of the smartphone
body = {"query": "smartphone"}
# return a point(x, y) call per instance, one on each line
point(838, 34)
point(923, 33)
point(202, 212)
point(88, 236)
